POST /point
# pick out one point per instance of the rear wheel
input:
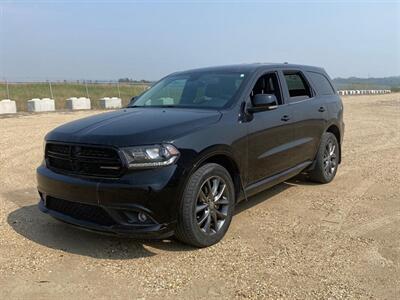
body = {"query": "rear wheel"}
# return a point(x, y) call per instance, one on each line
point(327, 159)
point(207, 206)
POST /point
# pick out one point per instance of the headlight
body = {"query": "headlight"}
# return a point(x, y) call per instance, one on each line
point(150, 156)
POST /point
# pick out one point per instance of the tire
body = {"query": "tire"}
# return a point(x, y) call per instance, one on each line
point(199, 223)
point(327, 159)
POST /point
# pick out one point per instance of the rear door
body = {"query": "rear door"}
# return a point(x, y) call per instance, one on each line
point(308, 114)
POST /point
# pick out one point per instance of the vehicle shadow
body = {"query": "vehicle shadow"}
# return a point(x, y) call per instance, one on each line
point(32, 224)
point(301, 179)
point(42, 229)
point(261, 197)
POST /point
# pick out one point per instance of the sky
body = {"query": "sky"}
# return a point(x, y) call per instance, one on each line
point(107, 40)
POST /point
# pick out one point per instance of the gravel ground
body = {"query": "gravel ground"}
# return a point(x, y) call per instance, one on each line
point(296, 240)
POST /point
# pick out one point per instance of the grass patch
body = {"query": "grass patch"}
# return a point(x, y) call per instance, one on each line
point(22, 92)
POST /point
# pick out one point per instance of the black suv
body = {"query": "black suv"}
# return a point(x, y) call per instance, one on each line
point(182, 154)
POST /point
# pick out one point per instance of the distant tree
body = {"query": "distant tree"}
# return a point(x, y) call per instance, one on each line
point(125, 79)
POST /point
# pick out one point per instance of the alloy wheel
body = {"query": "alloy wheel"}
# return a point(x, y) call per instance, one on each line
point(212, 205)
point(330, 158)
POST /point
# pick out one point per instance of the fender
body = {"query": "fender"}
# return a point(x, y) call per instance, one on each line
point(329, 124)
point(225, 150)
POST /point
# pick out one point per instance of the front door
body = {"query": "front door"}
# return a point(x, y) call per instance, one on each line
point(270, 134)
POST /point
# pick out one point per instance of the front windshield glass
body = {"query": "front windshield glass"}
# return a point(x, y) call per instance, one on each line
point(195, 90)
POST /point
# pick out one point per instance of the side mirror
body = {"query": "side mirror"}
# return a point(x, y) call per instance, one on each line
point(263, 102)
point(132, 100)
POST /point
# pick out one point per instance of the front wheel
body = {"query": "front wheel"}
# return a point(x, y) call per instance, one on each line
point(327, 160)
point(207, 206)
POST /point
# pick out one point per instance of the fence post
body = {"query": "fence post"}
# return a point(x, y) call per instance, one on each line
point(51, 90)
point(8, 92)
point(87, 91)
point(119, 92)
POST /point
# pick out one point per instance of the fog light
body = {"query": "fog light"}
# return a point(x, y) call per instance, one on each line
point(142, 217)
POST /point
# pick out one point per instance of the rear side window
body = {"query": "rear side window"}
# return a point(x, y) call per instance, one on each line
point(297, 86)
point(321, 84)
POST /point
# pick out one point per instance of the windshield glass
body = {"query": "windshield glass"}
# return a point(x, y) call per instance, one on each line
point(196, 90)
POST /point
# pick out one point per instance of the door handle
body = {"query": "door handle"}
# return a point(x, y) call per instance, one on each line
point(321, 109)
point(285, 118)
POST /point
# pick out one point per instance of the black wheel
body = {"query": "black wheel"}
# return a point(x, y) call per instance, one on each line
point(207, 206)
point(327, 159)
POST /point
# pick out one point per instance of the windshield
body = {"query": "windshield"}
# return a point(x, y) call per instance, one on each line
point(196, 90)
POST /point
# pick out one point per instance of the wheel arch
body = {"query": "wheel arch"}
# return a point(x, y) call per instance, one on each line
point(223, 156)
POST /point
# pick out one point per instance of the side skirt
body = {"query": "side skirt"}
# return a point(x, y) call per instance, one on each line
point(268, 182)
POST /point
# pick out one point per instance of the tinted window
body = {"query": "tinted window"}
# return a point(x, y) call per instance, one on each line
point(321, 83)
point(202, 90)
point(267, 84)
point(297, 86)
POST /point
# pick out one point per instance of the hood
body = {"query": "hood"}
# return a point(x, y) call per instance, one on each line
point(134, 126)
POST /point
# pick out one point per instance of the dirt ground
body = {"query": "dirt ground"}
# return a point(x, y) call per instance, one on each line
point(297, 240)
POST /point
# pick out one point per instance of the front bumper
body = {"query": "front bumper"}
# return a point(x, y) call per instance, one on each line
point(156, 231)
point(154, 192)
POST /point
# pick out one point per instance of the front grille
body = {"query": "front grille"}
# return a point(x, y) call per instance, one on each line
point(83, 160)
point(80, 211)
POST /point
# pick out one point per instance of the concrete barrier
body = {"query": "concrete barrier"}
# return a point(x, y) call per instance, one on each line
point(109, 103)
point(363, 92)
point(7, 106)
point(40, 105)
point(75, 103)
